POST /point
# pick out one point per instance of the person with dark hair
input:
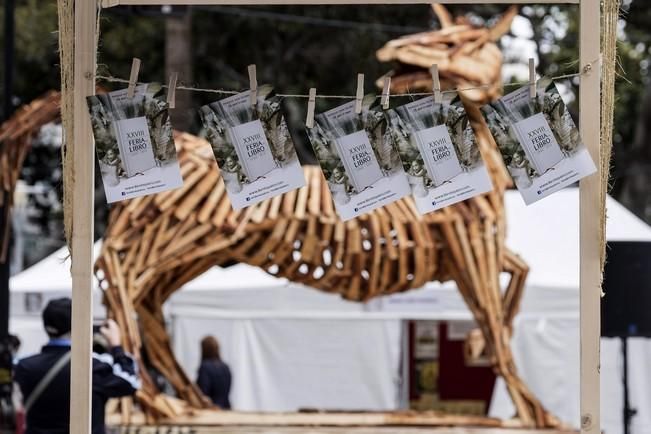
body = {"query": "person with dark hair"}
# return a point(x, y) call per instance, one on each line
point(44, 379)
point(14, 344)
point(214, 377)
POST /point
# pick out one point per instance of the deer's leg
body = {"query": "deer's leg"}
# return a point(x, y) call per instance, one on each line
point(518, 270)
point(162, 358)
point(470, 235)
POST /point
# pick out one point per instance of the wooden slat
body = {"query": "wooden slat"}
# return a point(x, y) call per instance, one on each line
point(333, 430)
point(82, 215)
point(589, 210)
point(110, 3)
point(398, 418)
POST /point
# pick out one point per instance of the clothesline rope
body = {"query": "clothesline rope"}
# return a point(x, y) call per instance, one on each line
point(587, 69)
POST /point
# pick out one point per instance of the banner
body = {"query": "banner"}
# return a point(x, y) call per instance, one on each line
point(134, 143)
point(538, 140)
point(252, 146)
point(358, 158)
point(439, 153)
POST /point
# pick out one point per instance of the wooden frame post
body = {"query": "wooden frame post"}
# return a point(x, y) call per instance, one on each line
point(83, 168)
point(83, 219)
point(589, 210)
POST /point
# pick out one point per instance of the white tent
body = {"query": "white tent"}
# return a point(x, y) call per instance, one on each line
point(293, 347)
point(288, 346)
point(32, 288)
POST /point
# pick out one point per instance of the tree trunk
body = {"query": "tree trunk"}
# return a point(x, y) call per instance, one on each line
point(178, 58)
point(636, 176)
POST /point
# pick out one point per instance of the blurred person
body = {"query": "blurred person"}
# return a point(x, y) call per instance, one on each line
point(16, 397)
point(14, 345)
point(44, 379)
point(214, 378)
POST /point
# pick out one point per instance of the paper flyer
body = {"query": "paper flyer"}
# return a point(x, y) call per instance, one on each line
point(439, 152)
point(539, 142)
point(134, 143)
point(252, 146)
point(359, 161)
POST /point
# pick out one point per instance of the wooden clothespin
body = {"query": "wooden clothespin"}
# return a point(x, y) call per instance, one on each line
point(436, 83)
point(171, 89)
point(360, 93)
point(311, 103)
point(386, 90)
point(532, 78)
point(133, 77)
point(253, 84)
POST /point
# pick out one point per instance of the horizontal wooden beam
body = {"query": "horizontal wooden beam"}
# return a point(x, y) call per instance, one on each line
point(214, 418)
point(334, 430)
point(111, 3)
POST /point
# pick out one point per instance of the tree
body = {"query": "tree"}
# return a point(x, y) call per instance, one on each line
point(178, 59)
point(36, 59)
point(631, 173)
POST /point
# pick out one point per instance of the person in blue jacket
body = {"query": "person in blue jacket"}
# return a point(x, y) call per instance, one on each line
point(214, 377)
point(44, 379)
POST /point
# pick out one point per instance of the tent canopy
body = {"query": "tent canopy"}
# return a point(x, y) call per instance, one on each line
point(49, 275)
point(546, 235)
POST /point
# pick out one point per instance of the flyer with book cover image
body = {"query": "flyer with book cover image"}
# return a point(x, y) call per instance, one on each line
point(358, 158)
point(439, 152)
point(253, 147)
point(539, 142)
point(134, 143)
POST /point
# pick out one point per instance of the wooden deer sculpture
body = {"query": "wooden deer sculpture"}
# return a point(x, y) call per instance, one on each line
point(156, 244)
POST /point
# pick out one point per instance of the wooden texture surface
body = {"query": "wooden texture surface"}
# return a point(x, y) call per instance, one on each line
point(197, 429)
point(466, 57)
point(83, 168)
point(327, 419)
point(589, 210)
point(111, 3)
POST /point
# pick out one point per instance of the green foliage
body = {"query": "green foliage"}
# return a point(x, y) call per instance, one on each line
point(36, 60)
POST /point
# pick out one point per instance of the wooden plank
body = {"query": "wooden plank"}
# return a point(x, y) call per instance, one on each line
point(83, 167)
point(589, 210)
point(111, 3)
point(182, 429)
point(342, 419)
